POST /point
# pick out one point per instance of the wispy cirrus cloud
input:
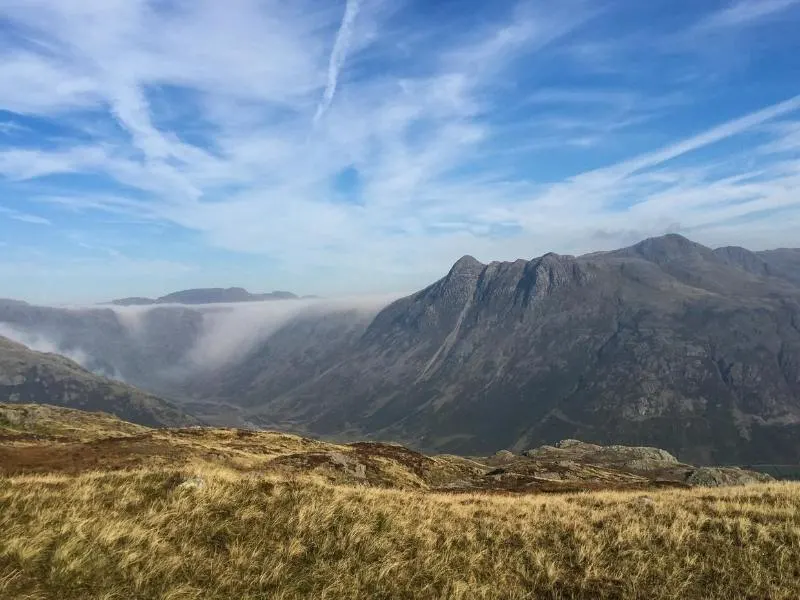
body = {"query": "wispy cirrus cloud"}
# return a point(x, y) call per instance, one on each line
point(23, 216)
point(454, 131)
point(338, 55)
point(744, 13)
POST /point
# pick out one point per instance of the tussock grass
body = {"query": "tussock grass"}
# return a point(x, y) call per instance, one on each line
point(17, 420)
point(137, 534)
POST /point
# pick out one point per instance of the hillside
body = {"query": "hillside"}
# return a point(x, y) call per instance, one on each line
point(41, 438)
point(91, 506)
point(27, 376)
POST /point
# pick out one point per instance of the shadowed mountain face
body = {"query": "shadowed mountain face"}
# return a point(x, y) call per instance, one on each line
point(665, 343)
point(206, 296)
point(36, 377)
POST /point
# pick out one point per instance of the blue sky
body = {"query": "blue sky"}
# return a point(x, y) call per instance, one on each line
point(340, 148)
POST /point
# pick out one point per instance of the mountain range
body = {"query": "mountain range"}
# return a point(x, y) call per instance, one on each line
point(665, 343)
point(206, 296)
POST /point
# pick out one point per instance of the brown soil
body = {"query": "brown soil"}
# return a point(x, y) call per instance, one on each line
point(71, 458)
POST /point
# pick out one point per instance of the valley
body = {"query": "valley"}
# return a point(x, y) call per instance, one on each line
point(665, 343)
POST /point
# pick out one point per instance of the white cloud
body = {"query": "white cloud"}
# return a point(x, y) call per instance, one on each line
point(41, 343)
point(424, 138)
point(24, 217)
point(711, 136)
point(338, 55)
point(9, 127)
point(745, 12)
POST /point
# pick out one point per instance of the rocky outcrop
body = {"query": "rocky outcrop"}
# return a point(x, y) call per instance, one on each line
point(638, 458)
point(724, 476)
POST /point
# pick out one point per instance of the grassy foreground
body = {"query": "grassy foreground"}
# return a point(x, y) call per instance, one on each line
point(140, 534)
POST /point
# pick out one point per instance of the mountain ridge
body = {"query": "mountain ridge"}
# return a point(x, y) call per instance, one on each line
point(205, 296)
point(593, 347)
point(27, 376)
point(665, 343)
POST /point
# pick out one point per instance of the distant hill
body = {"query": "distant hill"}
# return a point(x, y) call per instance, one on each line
point(27, 376)
point(134, 301)
point(206, 296)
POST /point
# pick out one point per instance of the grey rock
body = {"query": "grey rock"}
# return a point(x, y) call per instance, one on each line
point(349, 464)
point(192, 483)
point(725, 476)
point(504, 455)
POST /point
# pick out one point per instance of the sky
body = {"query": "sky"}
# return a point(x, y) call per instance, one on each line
point(340, 147)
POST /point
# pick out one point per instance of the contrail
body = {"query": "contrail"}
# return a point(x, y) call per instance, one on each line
point(338, 55)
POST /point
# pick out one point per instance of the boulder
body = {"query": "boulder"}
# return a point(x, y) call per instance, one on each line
point(192, 483)
point(721, 476)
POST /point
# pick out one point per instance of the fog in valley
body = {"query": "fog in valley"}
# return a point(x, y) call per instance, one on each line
point(163, 347)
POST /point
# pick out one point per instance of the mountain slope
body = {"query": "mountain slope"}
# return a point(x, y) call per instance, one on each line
point(664, 343)
point(35, 377)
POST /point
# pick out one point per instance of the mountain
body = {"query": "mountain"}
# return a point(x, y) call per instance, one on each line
point(299, 350)
point(133, 301)
point(784, 263)
point(206, 296)
point(138, 346)
point(665, 343)
point(27, 376)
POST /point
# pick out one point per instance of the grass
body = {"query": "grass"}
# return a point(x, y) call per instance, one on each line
point(93, 507)
point(45, 420)
point(137, 534)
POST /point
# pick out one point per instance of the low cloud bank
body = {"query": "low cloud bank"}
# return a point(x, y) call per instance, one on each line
point(153, 345)
point(40, 343)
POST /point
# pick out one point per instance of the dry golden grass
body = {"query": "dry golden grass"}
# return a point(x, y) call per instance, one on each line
point(137, 534)
point(21, 421)
point(92, 507)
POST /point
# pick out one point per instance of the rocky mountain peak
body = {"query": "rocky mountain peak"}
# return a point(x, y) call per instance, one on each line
point(668, 248)
point(552, 271)
point(467, 265)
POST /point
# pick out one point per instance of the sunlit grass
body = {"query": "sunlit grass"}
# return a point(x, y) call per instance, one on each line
point(138, 535)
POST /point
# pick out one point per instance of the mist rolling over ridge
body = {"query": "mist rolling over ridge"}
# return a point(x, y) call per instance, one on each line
point(160, 348)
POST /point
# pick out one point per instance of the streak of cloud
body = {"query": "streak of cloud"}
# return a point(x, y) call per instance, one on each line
point(338, 55)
